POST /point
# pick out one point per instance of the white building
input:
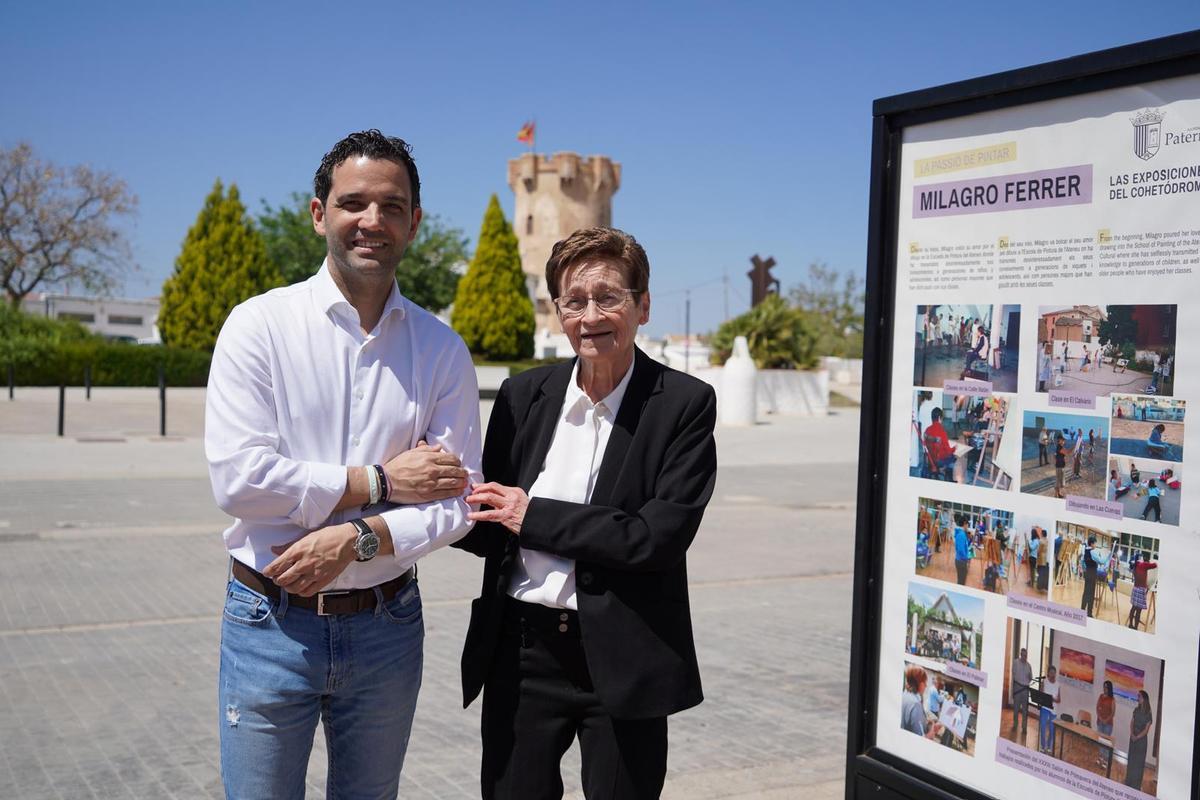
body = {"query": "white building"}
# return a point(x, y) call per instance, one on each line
point(114, 318)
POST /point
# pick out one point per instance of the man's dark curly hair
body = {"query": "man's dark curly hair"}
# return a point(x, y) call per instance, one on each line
point(371, 144)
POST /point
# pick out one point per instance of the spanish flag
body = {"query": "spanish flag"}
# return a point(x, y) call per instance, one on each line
point(525, 135)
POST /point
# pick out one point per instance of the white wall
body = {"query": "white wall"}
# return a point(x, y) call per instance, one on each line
point(782, 391)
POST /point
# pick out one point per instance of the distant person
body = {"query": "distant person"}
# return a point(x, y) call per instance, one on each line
point(1090, 568)
point(1140, 568)
point(1043, 447)
point(1135, 475)
point(1139, 731)
point(1060, 464)
point(1048, 714)
point(912, 711)
point(1155, 444)
point(979, 352)
point(1043, 367)
point(1034, 545)
point(1022, 679)
point(1152, 502)
point(1106, 710)
point(1119, 489)
point(962, 549)
point(938, 442)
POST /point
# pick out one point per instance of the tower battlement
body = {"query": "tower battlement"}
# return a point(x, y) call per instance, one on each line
point(531, 173)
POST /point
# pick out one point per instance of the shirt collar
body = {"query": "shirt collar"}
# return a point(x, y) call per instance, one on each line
point(611, 401)
point(330, 298)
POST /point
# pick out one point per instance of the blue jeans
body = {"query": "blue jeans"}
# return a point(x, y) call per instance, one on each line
point(1046, 719)
point(284, 668)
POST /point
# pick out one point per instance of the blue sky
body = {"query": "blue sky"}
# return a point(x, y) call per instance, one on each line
point(742, 128)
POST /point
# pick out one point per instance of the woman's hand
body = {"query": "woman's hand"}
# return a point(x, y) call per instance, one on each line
point(508, 504)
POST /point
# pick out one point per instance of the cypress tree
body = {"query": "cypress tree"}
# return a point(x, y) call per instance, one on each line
point(492, 310)
point(223, 262)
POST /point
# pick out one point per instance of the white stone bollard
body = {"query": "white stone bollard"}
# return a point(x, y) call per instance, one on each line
point(739, 400)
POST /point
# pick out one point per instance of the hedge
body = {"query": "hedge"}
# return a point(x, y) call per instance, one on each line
point(38, 362)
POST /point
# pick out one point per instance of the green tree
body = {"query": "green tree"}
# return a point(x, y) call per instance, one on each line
point(492, 311)
point(222, 263)
point(428, 273)
point(834, 302)
point(1118, 327)
point(292, 245)
point(780, 336)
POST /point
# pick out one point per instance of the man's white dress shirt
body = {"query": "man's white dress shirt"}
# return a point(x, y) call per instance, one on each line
point(297, 392)
point(569, 474)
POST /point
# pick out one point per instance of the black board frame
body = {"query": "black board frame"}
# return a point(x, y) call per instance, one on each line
point(871, 771)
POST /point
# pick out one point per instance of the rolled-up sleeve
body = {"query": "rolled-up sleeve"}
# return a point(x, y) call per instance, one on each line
point(251, 480)
point(418, 530)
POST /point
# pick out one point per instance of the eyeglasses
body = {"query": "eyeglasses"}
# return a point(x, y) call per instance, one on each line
point(611, 300)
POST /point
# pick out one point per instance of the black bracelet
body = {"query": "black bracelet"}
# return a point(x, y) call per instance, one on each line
point(385, 488)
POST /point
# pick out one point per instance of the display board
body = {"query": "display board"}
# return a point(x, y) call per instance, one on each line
point(1027, 623)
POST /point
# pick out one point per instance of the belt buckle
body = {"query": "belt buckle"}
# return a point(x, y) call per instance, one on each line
point(321, 612)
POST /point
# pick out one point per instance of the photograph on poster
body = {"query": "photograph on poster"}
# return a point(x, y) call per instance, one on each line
point(961, 438)
point(1084, 702)
point(974, 546)
point(1111, 575)
point(1148, 490)
point(1147, 427)
point(1093, 351)
point(1063, 454)
point(1031, 555)
point(938, 708)
point(944, 626)
point(963, 342)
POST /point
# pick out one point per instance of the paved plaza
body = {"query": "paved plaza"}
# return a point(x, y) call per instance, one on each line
point(1101, 381)
point(113, 573)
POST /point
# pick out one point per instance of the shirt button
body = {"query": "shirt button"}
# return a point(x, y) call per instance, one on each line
point(564, 616)
point(355, 441)
point(562, 628)
point(359, 394)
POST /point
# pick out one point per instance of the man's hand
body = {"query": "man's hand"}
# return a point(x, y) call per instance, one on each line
point(309, 564)
point(424, 474)
point(508, 504)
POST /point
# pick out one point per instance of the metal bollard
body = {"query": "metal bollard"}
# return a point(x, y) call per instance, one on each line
point(87, 381)
point(62, 403)
point(162, 402)
point(12, 380)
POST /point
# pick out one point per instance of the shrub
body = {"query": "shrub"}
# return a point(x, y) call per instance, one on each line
point(780, 336)
point(492, 310)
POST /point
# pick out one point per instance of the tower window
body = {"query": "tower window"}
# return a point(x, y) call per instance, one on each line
point(529, 224)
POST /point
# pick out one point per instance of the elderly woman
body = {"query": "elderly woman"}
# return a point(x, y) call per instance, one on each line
point(598, 471)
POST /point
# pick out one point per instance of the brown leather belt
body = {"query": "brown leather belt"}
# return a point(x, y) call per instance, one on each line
point(349, 601)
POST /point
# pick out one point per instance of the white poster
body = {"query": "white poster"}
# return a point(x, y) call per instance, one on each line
point(1046, 359)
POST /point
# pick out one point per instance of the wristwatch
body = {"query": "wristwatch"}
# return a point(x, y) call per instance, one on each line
point(367, 543)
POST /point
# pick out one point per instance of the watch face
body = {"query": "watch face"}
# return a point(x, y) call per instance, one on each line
point(367, 546)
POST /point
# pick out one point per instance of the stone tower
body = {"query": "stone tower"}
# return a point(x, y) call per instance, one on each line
point(557, 195)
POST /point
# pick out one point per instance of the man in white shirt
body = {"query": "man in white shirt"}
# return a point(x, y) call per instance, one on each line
point(1022, 677)
point(342, 427)
point(1048, 715)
